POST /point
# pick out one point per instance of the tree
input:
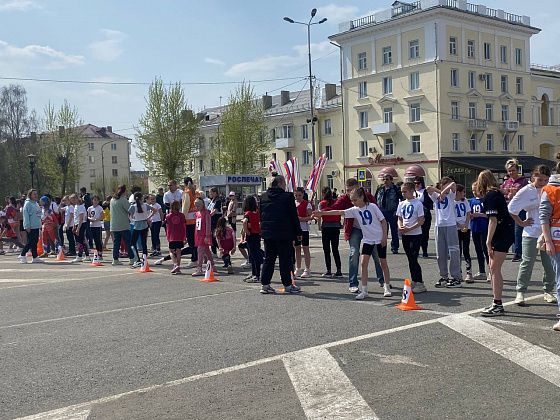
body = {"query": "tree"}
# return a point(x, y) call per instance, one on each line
point(242, 139)
point(61, 148)
point(168, 132)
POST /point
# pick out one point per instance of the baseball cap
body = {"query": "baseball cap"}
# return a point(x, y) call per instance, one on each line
point(231, 193)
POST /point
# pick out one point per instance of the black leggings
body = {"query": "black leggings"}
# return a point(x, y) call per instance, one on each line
point(185, 251)
point(479, 239)
point(330, 237)
point(426, 230)
point(143, 234)
point(81, 240)
point(71, 241)
point(464, 248)
point(155, 229)
point(97, 232)
point(411, 245)
point(256, 254)
point(31, 245)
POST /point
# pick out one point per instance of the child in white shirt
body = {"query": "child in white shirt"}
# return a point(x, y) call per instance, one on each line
point(463, 213)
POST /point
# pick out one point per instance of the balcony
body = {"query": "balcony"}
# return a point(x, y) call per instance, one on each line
point(384, 129)
point(285, 143)
point(509, 126)
point(477, 125)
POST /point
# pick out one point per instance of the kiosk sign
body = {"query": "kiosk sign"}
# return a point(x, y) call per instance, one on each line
point(244, 179)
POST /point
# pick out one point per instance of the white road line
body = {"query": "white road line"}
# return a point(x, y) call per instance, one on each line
point(128, 308)
point(535, 359)
point(62, 280)
point(77, 414)
point(323, 389)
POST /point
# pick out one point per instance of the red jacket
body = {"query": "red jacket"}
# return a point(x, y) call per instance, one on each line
point(343, 203)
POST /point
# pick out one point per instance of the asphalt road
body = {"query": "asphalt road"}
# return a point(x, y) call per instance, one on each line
point(81, 342)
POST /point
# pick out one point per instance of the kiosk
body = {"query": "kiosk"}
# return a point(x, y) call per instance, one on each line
point(242, 185)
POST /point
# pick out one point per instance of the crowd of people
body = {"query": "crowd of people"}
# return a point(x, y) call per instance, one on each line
point(519, 215)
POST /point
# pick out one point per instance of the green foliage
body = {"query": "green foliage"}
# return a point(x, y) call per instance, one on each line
point(168, 132)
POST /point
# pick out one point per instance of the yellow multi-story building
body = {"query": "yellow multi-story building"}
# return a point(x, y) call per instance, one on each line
point(444, 87)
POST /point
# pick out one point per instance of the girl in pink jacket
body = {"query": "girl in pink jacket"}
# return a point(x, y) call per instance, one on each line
point(203, 236)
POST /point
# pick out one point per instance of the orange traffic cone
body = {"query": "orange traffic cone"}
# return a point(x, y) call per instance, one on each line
point(40, 250)
point(145, 266)
point(407, 302)
point(209, 274)
point(60, 256)
point(95, 262)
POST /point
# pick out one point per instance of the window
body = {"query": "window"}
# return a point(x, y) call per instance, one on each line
point(273, 134)
point(114, 160)
point(504, 84)
point(414, 80)
point(115, 172)
point(505, 143)
point(472, 111)
point(415, 142)
point(363, 149)
point(414, 49)
point(287, 131)
point(274, 156)
point(520, 114)
point(454, 78)
point(387, 55)
point(455, 143)
point(330, 181)
point(490, 142)
point(92, 173)
point(470, 48)
point(454, 110)
point(201, 165)
point(521, 142)
point(304, 132)
point(362, 90)
point(362, 61)
point(503, 54)
point(212, 165)
point(414, 112)
point(389, 147)
point(263, 161)
point(191, 166)
point(387, 115)
point(488, 81)
point(505, 112)
point(327, 127)
point(519, 85)
point(472, 80)
point(387, 85)
point(363, 119)
point(91, 186)
point(288, 155)
point(113, 146)
point(91, 146)
point(518, 56)
point(328, 152)
point(305, 157)
point(472, 143)
point(487, 51)
point(453, 45)
point(91, 159)
point(489, 112)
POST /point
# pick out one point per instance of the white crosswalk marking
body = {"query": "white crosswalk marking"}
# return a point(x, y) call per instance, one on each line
point(69, 415)
point(535, 359)
point(323, 389)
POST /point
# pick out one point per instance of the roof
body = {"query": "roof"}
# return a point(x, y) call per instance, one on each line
point(496, 164)
point(91, 131)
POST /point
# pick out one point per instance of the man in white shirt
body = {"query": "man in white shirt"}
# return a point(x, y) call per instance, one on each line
point(174, 194)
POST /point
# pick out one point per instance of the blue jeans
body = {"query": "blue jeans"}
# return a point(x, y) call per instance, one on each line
point(354, 259)
point(517, 245)
point(556, 265)
point(391, 219)
point(117, 236)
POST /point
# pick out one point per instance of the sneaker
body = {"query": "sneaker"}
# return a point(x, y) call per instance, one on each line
point(198, 273)
point(296, 272)
point(245, 264)
point(480, 276)
point(116, 262)
point(137, 264)
point(425, 256)
point(441, 283)
point(87, 259)
point(230, 269)
point(159, 262)
point(550, 298)
point(338, 274)
point(519, 299)
point(418, 287)
point(362, 295)
point(251, 279)
point(353, 289)
point(387, 290)
point(469, 278)
point(267, 290)
point(43, 255)
point(22, 259)
point(174, 269)
point(516, 258)
point(291, 289)
point(77, 260)
point(453, 283)
point(556, 326)
point(248, 277)
point(131, 261)
point(493, 310)
point(327, 274)
point(305, 274)
point(37, 260)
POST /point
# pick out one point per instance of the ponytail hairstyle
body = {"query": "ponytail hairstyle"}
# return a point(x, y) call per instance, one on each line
point(361, 192)
point(221, 228)
point(138, 200)
point(328, 195)
point(176, 206)
point(121, 189)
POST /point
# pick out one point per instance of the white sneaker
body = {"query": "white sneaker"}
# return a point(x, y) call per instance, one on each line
point(160, 262)
point(387, 290)
point(469, 278)
point(305, 274)
point(246, 264)
point(519, 298)
point(418, 287)
point(549, 298)
point(480, 276)
point(77, 260)
point(362, 295)
point(556, 326)
point(22, 259)
point(296, 272)
point(353, 289)
point(37, 260)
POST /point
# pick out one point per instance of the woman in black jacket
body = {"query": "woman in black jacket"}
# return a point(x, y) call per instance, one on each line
point(428, 204)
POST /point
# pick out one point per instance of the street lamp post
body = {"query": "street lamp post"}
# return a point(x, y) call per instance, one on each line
point(313, 119)
point(103, 166)
point(31, 159)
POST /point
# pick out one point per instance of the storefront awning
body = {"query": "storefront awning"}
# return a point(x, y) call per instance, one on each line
point(497, 163)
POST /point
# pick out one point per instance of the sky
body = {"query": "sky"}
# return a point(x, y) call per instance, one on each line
point(190, 42)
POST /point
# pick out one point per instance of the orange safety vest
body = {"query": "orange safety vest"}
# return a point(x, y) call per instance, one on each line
point(553, 194)
point(189, 209)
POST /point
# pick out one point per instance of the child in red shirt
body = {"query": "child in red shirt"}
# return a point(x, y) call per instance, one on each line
point(176, 235)
point(225, 236)
point(252, 232)
point(202, 236)
point(50, 225)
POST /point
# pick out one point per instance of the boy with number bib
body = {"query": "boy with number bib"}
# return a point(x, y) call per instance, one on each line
point(447, 240)
point(463, 213)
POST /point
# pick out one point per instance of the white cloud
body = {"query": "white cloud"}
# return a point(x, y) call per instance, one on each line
point(336, 14)
point(110, 47)
point(18, 5)
point(41, 55)
point(214, 61)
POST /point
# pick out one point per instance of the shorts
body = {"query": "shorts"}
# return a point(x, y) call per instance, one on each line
point(503, 239)
point(176, 245)
point(49, 235)
point(107, 226)
point(304, 239)
point(367, 249)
